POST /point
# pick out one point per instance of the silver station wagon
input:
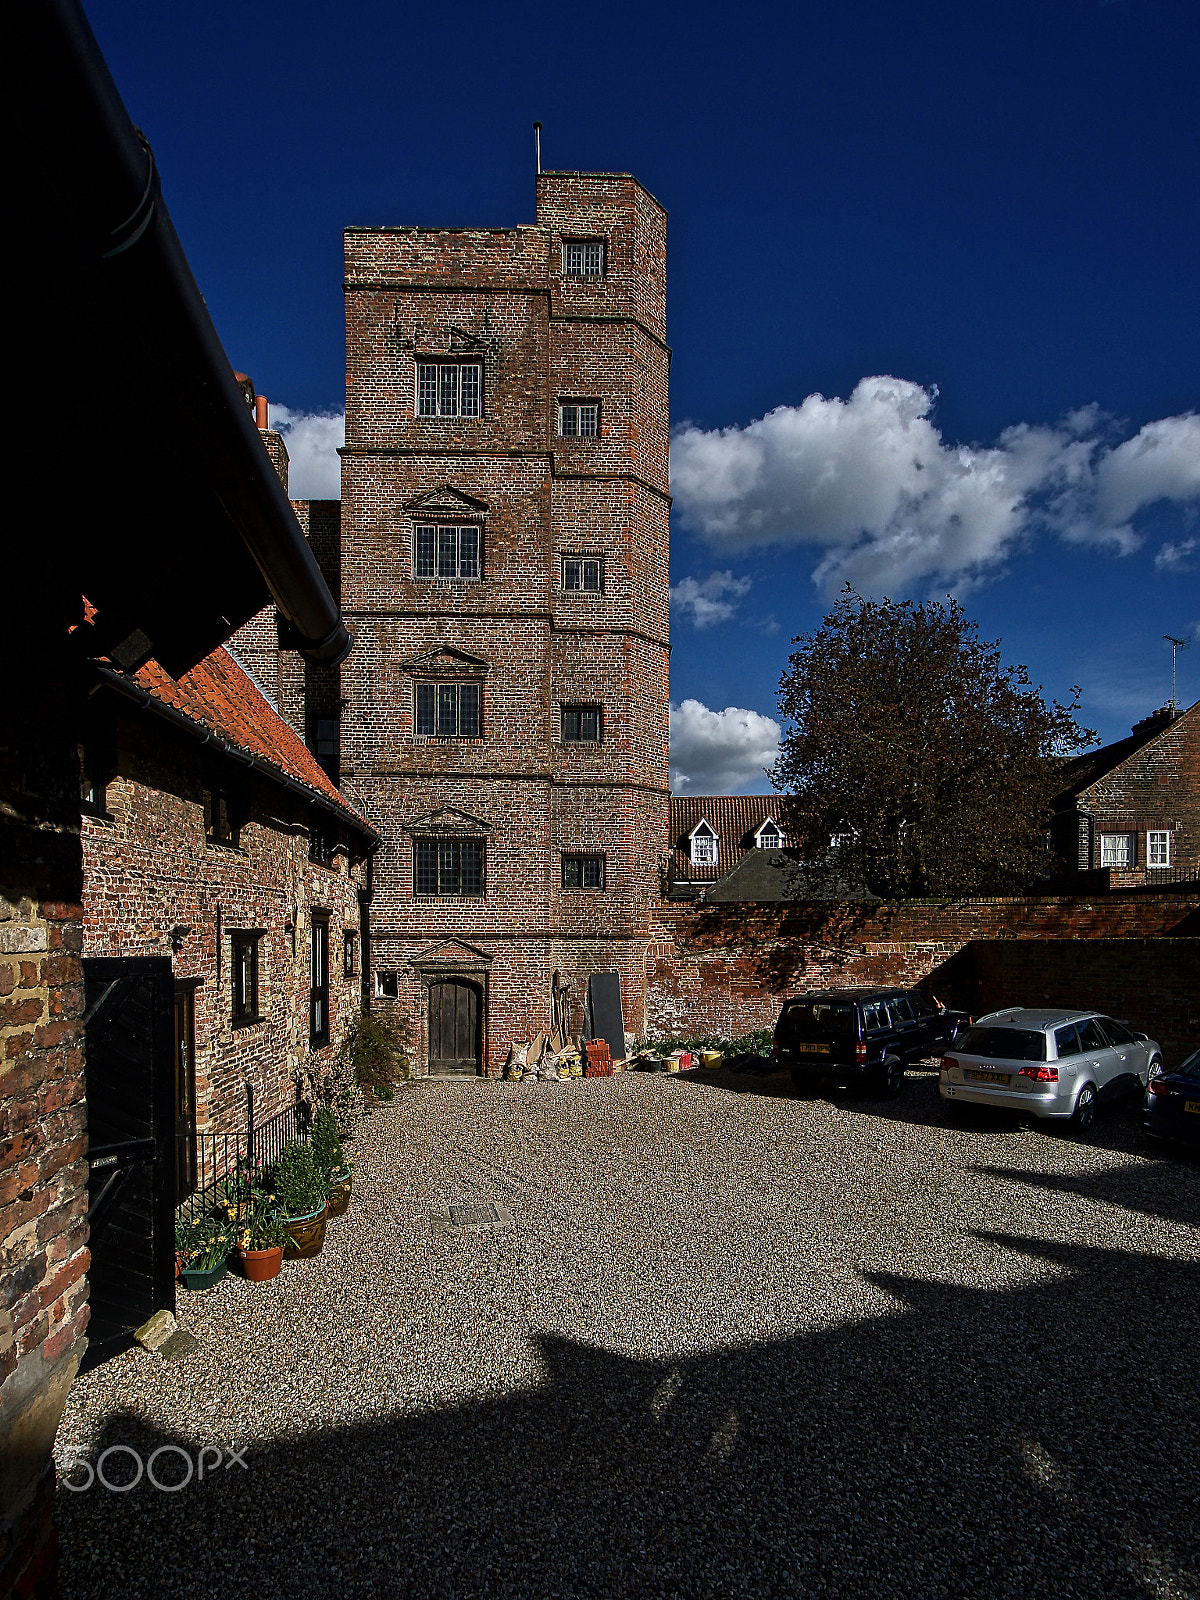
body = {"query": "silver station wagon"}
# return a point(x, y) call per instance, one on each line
point(1047, 1063)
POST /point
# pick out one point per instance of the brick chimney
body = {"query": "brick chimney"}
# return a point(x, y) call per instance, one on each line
point(276, 448)
point(1161, 718)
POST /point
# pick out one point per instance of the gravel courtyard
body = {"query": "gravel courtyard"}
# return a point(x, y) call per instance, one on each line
point(737, 1340)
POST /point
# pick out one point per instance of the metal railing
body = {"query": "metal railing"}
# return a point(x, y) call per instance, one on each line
point(221, 1156)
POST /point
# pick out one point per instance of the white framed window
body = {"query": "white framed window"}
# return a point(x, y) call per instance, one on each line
point(449, 389)
point(703, 846)
point(1118, 849)
point(583, 258)
point(440, 552)
point(583, 573)
point(1158, 849)
point(447, 711)
point(579, 419)
point(768, 836)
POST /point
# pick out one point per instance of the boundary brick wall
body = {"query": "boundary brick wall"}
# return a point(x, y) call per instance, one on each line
point(724, 970)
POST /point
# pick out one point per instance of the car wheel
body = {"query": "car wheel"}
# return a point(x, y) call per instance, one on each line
point(890, 1080)
point(1084, 1113)
point(1154, 1070)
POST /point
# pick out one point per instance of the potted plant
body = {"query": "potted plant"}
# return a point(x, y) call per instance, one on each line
point(260, 1244)
point(302, 1196)
point(206, 1245)
point(330, 1162)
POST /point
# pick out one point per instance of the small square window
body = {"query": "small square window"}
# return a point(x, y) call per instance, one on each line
point(579, 419)
point(1117, 849)
point(244, 969)
point(583, 258)
point(387, 985)
point(448, 389)
point(583, 872)
point(448, 867)
point(443, 552)
point(583, 573)
point(1158, 849)
point(581, 724)
point(447, 711)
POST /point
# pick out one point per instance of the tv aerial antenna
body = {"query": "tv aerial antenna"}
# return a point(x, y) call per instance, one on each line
point(1176, 645)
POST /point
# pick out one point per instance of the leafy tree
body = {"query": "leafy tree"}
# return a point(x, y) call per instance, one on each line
point(931, 763)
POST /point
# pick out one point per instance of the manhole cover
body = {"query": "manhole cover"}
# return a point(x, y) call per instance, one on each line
point(492, 1214)
point(473, 1216)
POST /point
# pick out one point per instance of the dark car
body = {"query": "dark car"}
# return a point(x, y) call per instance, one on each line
point(862, 1036)
point(1171, 1109)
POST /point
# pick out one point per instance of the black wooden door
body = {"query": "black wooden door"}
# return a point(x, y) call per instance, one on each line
point(453, 1027)
point(129, 1065)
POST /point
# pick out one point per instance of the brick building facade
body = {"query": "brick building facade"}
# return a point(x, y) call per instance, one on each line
point(1131, 810)
point(212, 836)
point(503, 567)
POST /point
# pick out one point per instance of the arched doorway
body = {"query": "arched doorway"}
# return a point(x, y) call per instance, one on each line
point(455, 1012)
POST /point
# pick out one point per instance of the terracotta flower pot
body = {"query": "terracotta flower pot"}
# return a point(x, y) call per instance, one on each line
point(306, 1235)
point(260, 1266)
point(339, 1196)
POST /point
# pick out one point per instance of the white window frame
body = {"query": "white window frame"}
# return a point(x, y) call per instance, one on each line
point(773, 840)
point(704, 845)
point(1109, 852)
point(446, 398)
point(590, 255)
point(588, 567)
point(440, 537)
point(1152, 836)
point(579, 419)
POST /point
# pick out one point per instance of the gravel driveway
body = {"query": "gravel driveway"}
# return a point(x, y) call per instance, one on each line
point(737, 1340)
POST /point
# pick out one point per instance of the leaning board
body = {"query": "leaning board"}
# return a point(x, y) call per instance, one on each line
point(608, 1020)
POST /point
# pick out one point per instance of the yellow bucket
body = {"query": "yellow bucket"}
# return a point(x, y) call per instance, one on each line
point(711, 1058)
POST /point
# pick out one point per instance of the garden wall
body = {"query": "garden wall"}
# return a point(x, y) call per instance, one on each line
point(723, 970)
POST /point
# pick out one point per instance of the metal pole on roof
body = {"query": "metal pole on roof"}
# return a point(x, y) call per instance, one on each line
point(537, 145)
point(1176, 644)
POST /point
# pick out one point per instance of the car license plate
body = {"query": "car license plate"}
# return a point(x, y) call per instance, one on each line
point(1192, 1105)
point(988, 1077)
point(812, 1049)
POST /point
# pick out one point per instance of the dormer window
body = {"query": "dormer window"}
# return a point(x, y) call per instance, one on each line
point(768, 837)
point(703, 841)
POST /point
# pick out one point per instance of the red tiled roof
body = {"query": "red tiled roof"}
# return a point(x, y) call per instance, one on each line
point(218, 694)
point(733, 818)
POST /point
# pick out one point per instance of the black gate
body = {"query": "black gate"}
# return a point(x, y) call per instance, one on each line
point(129, 1065)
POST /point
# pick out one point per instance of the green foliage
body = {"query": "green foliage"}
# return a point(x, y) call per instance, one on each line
point(909, 742)
point(326, 1143)
point(375, 1047)
point(747, 1044)
point(299, 1188)
point(262, 1230)
point(204, 1242)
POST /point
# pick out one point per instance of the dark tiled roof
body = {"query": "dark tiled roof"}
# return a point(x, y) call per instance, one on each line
point(217, 694)
point(764, 876)
point(732, 817)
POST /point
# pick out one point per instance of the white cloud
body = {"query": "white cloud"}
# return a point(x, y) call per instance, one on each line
point(1176, 557)
point(886, 503)
point(719, 752)
point(710, 600)
point(312, 439)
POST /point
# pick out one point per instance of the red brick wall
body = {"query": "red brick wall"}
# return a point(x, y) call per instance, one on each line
point(43, 1143)
point(148, 869)
point(723, 970)
point(1157, 788)
point(541, 337)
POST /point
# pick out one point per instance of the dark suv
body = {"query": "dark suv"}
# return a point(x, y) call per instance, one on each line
point(862, 1036)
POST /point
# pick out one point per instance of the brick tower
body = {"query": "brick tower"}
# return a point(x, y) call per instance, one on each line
point(504, 571)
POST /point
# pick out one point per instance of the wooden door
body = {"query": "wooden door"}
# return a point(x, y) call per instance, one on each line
point(453, 1027)
point(129, 1059)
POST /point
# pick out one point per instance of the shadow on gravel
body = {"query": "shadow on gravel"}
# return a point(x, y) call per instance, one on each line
point(1035, 1441)
point(1154, 1190)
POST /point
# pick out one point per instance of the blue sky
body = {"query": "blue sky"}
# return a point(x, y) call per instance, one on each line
point(991, 210)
